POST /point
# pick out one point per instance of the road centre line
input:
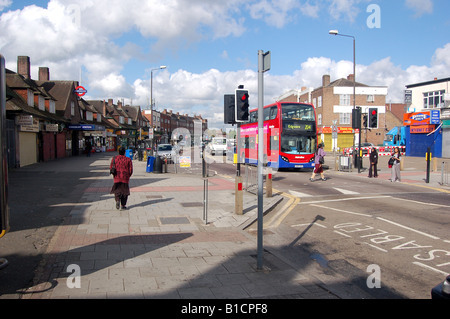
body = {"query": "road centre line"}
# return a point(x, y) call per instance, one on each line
point(408, 228)
point(341, 210)
point(310, 224)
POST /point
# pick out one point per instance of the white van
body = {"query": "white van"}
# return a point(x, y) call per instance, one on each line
point(218, 145)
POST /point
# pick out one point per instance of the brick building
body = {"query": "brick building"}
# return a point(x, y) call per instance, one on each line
point(333, 102)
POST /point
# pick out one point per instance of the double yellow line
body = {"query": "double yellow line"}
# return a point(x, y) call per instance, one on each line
point(278, 218)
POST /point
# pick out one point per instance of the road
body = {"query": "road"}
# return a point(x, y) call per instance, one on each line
point(387, 240)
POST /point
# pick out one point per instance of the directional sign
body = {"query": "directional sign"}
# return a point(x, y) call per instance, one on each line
point(80, 91)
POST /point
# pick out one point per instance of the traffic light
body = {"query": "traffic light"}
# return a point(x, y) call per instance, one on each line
point(229, 109)
point(356, 118)
point(373, 118)
point(242, 105)
point(365, 120)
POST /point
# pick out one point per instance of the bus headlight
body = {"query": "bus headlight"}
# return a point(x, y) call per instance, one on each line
point(285, 159)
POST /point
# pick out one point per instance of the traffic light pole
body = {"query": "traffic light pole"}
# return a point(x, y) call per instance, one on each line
point(263, 66)
point(260, 157)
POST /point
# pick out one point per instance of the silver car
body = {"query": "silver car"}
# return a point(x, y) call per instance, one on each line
point(165, 151)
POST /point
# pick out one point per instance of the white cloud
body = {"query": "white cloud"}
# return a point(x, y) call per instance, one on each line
point(421, 7)
point(344, 9)
point(4, 4)
point(275, 12)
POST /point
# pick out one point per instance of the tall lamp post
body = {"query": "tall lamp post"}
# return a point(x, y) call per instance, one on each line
point(336, 32)
point(151, 98)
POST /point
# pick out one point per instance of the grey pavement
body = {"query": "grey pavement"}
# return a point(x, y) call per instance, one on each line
point(168, 245)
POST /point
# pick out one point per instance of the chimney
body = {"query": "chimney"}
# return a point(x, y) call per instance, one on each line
point(326, 80)
point(119, 104)
point(23, 66)
point(110, 102)
point(351, 77)
point(44, 74)
point(104, 108)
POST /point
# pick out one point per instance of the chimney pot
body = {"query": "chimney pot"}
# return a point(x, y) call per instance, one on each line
point(23, 66)
point(44, 74)
point(325, 80)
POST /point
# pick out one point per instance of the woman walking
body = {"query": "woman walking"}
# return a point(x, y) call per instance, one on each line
point(395, 169)
point(121, 188)
point(319, 161)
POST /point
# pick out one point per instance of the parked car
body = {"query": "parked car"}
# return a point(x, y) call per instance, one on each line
point(165, 151)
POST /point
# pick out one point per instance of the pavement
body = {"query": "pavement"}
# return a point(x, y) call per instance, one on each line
point(168, 244)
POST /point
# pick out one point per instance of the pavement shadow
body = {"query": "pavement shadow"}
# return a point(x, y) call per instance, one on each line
point(100, 266)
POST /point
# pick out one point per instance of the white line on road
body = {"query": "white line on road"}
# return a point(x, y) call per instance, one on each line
point(428, 267)
point(408, 228)
point(310, 224)
point(343, 199)
point(427, 204)
point(342, 211)
point(298, 194)
point(345, 192)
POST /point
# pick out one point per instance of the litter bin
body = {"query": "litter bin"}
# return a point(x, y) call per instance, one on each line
point(129, 153)
point(157, 167)
point(150, 163)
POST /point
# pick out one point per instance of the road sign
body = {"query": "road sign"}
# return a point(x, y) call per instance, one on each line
point(80, 91)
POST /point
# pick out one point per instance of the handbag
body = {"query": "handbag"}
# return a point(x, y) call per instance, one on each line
point(113, 170)
point(321, 160)
point(391, 162)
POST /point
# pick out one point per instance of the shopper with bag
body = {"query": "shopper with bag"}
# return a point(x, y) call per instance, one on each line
point(319, 160)
point(124, 169)
point(394, 163)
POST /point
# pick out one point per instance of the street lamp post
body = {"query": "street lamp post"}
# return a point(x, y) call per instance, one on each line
point(151, 99)
point(336, 32)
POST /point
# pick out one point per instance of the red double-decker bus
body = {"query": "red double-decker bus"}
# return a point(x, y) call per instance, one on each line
point(290, 136)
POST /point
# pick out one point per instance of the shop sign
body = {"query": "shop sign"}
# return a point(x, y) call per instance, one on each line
point(422, 118)
point(422, 129)
point(51, 127)
point(24, 120)
point(340, 130)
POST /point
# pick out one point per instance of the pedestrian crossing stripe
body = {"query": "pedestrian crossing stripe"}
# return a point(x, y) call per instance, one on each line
point(340, 190)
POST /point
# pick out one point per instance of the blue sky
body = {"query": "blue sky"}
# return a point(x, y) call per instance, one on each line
point(210, 46)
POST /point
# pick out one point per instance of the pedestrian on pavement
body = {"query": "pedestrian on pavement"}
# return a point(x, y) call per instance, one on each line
point(395, 169)
point(88, 148)
point(121, 188)
point(319, 160)
point(373, 157)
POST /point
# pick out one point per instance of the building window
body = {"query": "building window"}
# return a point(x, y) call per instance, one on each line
point(344, 99)
point(315, 102)
point(433, 99)
point(72, 108)
point(319, 119)
point(319, 101)
point(370, 98)
point(345, 118)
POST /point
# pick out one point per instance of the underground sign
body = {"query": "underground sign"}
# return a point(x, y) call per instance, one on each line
point(80, 91)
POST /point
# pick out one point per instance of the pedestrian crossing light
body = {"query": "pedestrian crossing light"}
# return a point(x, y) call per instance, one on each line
point(373, 118)
point(365, 120)
point(242, 105)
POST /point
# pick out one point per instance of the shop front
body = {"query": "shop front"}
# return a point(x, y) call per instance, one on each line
point(423, 132)
point(83, 133)
point(336, 137)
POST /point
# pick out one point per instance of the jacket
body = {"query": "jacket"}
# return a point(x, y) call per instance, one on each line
point(124, 167)
point(374, 157)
